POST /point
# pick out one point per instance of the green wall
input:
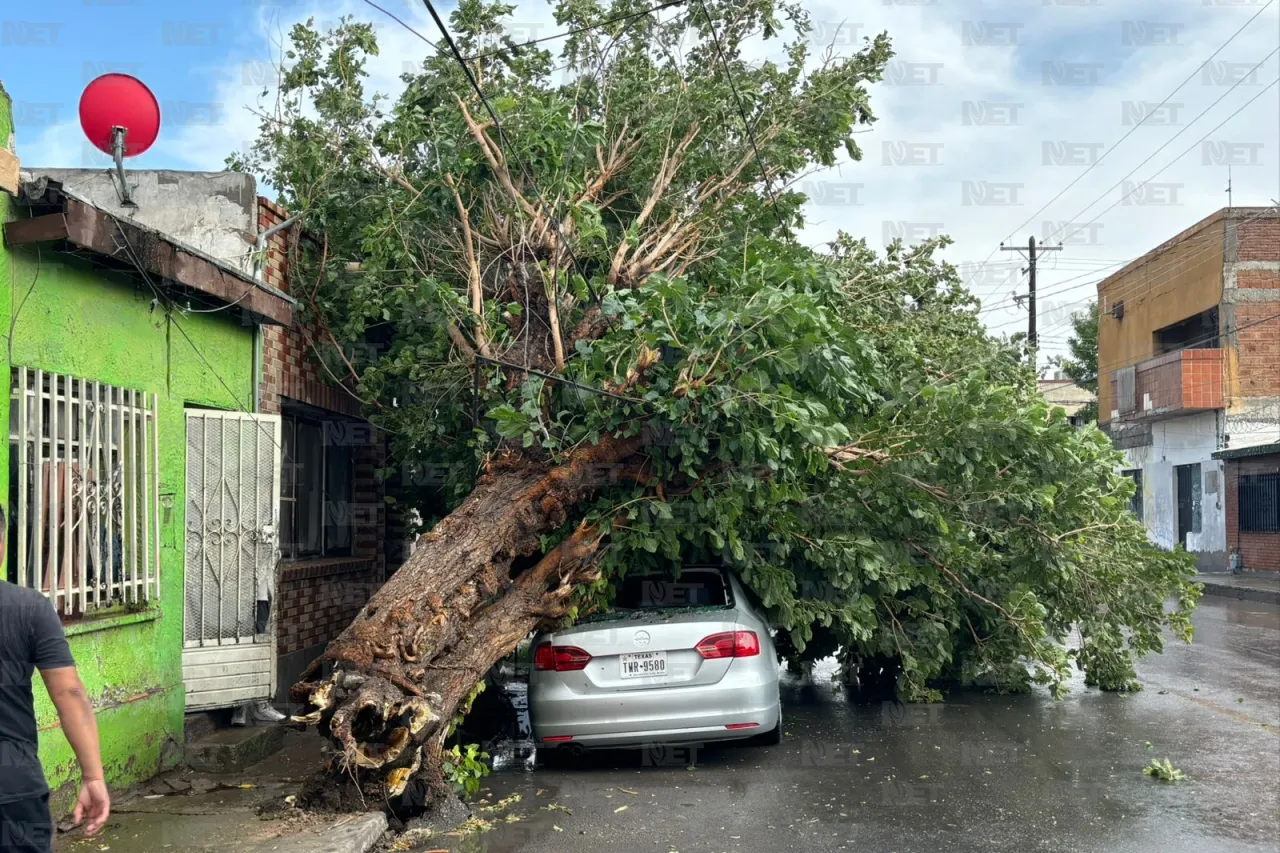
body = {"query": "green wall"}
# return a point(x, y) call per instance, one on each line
point(99, 325)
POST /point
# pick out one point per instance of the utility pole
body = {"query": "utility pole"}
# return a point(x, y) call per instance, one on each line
point(1031, 250)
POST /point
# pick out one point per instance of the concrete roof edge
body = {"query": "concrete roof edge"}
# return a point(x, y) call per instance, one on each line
point(1183, 236)
point(33, 175)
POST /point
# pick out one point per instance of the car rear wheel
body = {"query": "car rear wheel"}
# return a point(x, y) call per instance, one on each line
point(552, 758)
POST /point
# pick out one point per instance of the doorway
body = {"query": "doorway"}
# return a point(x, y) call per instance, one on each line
point(233, 493)
point(1188, 491)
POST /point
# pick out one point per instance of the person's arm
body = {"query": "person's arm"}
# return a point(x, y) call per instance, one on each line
point(53, 658)
point(78, 723)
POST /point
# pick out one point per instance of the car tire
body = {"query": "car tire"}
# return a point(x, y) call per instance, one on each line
point(551, 759)
point(773, 737)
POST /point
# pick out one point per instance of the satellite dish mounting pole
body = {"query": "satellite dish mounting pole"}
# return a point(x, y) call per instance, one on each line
point(121, 118)
point(117, 152)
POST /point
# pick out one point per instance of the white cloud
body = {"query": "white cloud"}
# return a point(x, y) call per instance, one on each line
point(942, 165)
point(61, 145)
point(1012, 163)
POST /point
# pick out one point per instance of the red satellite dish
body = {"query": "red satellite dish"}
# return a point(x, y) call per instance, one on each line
point(118, 100)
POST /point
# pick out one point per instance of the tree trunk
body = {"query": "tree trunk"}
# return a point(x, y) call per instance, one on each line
point(473, 590)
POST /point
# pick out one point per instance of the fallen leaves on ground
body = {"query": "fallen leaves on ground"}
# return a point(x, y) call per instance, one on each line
point(500, 805)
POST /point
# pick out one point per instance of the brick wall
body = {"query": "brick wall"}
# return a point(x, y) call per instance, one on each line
point(317, 599)
point(1258, 347)
point(289, 367)
point(1258, 551)
point(1259, 238)
point(1253, 280)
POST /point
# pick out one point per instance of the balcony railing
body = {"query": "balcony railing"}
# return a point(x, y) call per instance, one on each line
point(1178, 383)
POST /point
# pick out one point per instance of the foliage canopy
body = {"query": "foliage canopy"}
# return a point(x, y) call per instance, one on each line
point(835, 424)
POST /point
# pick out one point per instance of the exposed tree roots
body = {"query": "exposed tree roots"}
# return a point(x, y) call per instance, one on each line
point(476, 587)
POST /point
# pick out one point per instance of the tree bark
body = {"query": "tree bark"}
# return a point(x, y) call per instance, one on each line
point(476, 587)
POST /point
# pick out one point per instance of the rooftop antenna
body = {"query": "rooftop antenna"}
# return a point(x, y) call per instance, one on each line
point(121, 117)
point(1228, 186)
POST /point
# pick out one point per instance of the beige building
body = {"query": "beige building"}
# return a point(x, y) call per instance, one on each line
point(1189, 375)
point(1062, 392)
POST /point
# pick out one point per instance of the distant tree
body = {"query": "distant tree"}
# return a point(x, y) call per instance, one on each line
point(1082, 366)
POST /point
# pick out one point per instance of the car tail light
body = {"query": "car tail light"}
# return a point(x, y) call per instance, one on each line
point(731, 644)
point(548, 658)
point(557, 739)
point(733, 727)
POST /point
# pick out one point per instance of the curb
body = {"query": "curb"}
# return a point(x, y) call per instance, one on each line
point(1240, 593)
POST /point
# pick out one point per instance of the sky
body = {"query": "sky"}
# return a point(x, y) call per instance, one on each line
point(996, 121)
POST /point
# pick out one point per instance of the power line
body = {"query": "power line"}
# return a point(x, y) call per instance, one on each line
point(1192, 344)
point(506, 142)
point(1166, 144)
point(1060, 290)
point(161, 299)
point(1006, 304)
point(1166, 100)
point(1129, 288)
point(746, 123)
point(517, 47)
point(1141, 121)
point(1010, 276)
point(401, 23)
point(1207, 252)
point(1201, 254)
point(560, 379)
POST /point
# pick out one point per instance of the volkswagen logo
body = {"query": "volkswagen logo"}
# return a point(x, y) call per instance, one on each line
point(642, 638)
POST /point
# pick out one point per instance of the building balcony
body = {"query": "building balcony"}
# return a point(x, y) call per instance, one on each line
point(1170, 385)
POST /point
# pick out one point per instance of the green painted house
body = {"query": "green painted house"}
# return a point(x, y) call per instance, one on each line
point(142, 496)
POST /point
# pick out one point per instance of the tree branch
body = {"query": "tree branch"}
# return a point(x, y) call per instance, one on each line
point(473, 267)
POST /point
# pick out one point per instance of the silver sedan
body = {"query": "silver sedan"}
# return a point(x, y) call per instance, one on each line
point(684, 661)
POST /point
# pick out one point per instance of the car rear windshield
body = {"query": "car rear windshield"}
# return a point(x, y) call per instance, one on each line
point(694, 588)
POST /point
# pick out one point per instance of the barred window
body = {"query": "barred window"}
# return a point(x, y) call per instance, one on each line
point(84, 478)
point(1259, 497)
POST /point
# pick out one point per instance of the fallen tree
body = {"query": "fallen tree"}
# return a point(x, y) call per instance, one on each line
point(600, 300)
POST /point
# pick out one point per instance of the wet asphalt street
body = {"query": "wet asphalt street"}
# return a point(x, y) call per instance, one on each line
point(979, 773)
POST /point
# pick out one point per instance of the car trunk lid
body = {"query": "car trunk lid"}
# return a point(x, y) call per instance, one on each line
point(647, 649)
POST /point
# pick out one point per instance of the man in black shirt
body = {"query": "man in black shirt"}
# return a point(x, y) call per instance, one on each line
point(31, 638)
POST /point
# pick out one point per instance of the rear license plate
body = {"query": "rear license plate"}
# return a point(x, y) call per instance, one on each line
point(644, 664)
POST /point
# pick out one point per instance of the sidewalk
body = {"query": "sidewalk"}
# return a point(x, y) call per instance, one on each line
point(1262, 587)
point(185, 811)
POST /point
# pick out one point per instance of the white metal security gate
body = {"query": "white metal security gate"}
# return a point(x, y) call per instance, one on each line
point(233, 495)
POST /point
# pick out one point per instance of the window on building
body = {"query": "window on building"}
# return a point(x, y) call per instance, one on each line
point(84, 488)
point(1135, 502)
point(1198, 332)
point(317, 514)
point(1259, 499)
